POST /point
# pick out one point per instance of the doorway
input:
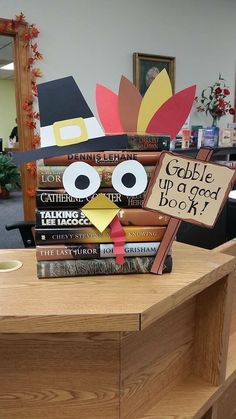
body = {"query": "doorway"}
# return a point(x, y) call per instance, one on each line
point(7, 96)
point(11, 208)
point(23, 92)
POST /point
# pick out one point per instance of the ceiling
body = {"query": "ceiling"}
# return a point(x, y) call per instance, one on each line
point(6, 56)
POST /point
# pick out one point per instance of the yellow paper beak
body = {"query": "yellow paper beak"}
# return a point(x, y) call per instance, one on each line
point(100, 211)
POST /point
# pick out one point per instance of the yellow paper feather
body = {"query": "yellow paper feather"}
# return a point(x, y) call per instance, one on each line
point(158, 92)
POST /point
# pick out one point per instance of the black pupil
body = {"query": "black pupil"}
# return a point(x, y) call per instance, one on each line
point(82, 182)
point(128, 180)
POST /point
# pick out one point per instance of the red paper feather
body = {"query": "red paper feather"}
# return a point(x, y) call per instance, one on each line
point(108, 111)
point(171, 116)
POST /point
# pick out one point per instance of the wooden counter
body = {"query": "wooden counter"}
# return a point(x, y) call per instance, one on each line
point(117, 347)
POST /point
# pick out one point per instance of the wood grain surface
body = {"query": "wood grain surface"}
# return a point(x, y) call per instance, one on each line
point(103, 303)
point(227, 403)
point(229, 248)
point(211, 413)
point(59, 376)
point(155, 359)
point(213, 318)
point(194, 397)
point(120, 347)
point(190, 399)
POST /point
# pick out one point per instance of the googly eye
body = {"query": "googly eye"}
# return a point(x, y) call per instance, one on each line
point(129, 178)
point(81, 180)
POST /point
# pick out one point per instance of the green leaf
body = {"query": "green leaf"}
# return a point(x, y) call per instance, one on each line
point(9, 172)
point(9, 187)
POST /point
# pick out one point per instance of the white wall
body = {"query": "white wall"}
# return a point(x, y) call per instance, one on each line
point(7, 109)
point(93, 40)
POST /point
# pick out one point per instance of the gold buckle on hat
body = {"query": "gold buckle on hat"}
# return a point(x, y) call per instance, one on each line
point(57, 126)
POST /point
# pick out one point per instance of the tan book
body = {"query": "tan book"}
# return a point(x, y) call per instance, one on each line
point(225, 137)
point(92, 235)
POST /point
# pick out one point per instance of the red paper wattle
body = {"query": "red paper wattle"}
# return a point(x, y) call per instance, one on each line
point(118, 238)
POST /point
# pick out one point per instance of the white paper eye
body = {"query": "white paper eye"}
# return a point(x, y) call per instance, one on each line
point(129, 178)
point(81, 180)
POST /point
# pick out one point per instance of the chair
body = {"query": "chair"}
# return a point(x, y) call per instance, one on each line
point(26, 231)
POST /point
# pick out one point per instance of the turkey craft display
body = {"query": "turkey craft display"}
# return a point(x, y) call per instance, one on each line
point(104, 203)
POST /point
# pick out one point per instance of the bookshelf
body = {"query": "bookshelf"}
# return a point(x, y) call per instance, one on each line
point(121, 347)
point(218, 154)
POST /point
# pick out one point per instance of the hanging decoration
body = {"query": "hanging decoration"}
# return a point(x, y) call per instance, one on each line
point(31, 168)
point(31, 116)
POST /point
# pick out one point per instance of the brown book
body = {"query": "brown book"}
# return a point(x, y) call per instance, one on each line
point(92, 235)
point(141, 217)
point(105, 158)
point(137, 141)
point(69, 268)
point(51, 176)
point(75, 218)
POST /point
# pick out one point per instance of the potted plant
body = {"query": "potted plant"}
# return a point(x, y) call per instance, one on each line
point(9, 175)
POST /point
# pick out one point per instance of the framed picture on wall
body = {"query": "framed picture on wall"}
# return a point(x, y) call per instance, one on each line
point(147, 66)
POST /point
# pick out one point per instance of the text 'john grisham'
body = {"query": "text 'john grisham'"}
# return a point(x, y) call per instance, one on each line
point(189, 189)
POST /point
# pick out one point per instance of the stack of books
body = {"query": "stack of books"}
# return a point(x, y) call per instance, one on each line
point(67, 244)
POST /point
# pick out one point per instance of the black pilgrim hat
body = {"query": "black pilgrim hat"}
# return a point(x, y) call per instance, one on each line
point(67, 124)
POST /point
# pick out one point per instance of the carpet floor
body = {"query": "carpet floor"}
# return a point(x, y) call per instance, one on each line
point(11, 210)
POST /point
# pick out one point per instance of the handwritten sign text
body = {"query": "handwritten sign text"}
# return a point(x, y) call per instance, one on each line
point(189, 189)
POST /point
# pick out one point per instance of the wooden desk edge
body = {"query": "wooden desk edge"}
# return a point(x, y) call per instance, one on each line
point(70, 324)
point(125, 322)
point(160, 309)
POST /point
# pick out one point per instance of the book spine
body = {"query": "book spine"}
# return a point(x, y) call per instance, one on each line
point(69, 268)
point(92, 235)
point(148, 142)
point(211, 136)
point(93, 251)
point(105, 158)
point(225, 138)
point(58, 198)
point(61, 218)
point(51, 176)
point(75, 218)
point(142, 217)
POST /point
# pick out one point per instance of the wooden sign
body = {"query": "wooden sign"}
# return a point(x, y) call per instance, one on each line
point(189, 189)
point(192, 190)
